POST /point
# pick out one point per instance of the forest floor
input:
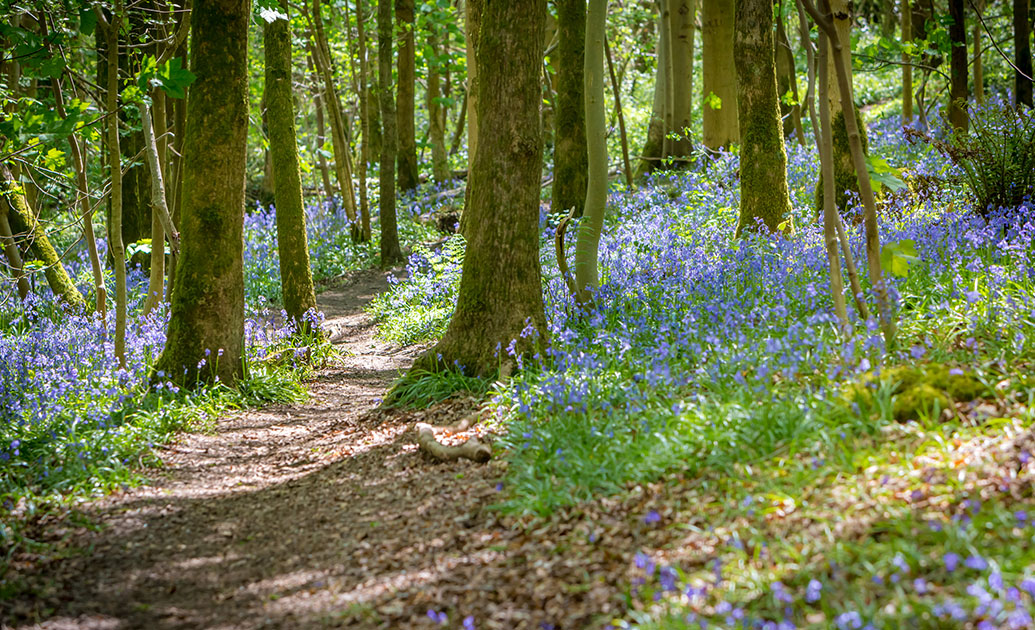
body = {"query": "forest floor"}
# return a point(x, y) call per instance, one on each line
point(323, 514)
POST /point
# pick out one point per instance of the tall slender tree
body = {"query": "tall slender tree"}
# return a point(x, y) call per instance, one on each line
point(409, 174)
point(501, 293)
point(296, 277)
point(569, 149)
point(763, 158)
point(206, 328)
point(587, 246)
point(391, 253)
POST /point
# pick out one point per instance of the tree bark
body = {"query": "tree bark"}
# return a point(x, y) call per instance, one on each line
point(321, 140)
point(616, 88)
point(116, 245)
point(958, 66)
point(339, 137)
point(1022, 52)
point(654, 145)
point(391, 253)
point(436, 115)
point(14, 257)
point(162, 223)
point(787, 81)
point(205, 341)
point(501, 283)
point(472, 27)
point(409, 174)
point(588, 242)
point(763, 158)
point(682, 67)
point(979, 72)
point(179, 131)
point(719, 75)
point(570, 152)
point(296, 276)
point(364, 121)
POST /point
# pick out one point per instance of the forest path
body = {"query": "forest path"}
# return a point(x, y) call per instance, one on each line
point(321, 514)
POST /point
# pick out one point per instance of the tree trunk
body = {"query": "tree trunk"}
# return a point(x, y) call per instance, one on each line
point(1022, 52)
point(570, 157)
point(391, 253)
point(763, 159)
point(472, 27)
point(85, 208)
point(116, 245)
point(206, 330)
point(162, 224)
point(719, 75)
point(787, 81)
point(587, 245)
point(436, 116)
point(501, 290)
point(23, 222)
point(616, 88)
point(979, 72)
point(409, 174)
point(845, 180)
point(653, 147)
point(342, 155)
point(843, 70)
point(958, 66)
point(14, 257)
point(176, 160)
point(830, 215)
point(682, 38)
point(296, 277)
point(364, 121)
point(907, 70)
point(321, 140)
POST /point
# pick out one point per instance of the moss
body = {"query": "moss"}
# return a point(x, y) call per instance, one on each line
point(918, 390)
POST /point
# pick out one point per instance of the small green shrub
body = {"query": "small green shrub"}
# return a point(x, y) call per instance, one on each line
point(997, 156)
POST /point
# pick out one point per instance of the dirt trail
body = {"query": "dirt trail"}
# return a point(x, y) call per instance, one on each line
point(313, 515)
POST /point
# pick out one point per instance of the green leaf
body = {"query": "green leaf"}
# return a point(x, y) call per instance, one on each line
point(883, 174)
point(713, 100)
point(896, 257)
point(87, 21)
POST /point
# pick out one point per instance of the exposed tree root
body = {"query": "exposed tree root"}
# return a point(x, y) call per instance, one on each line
point(473, 449)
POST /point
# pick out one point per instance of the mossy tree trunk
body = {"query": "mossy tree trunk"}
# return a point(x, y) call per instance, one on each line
point(719, 75)
point(206, 327)
point(587, 245)
point(501, 285)
point(23, 223)
point(409, 174)
point(1022, 52)
point(958, 66)
point(570, 152)
point(296, 276)
point(391, 253)
point(763, 158)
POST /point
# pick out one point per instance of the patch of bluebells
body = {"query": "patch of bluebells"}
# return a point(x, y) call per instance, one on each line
point(66, 406)
point(985, 599)
point(696, 333)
